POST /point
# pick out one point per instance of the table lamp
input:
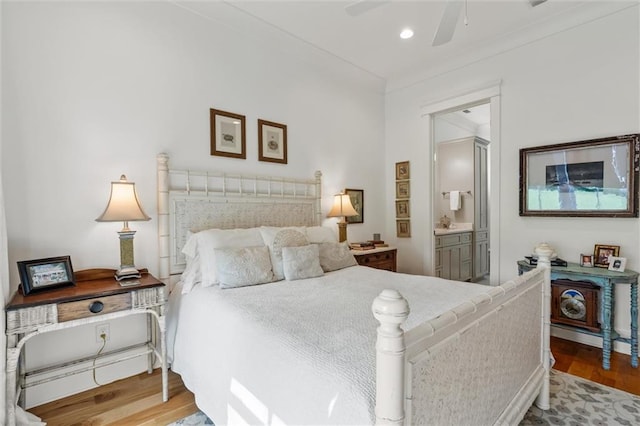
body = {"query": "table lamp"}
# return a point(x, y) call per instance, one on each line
point(123, 206)
point(342, 207)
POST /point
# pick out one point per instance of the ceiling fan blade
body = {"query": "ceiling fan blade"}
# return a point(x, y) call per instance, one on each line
point(362, 6)
point(448, 22)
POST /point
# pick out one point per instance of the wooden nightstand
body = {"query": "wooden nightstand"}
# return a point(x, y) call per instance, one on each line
point(380, 258)
point(96, 297)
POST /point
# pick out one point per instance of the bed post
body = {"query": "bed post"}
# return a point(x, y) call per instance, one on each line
point(391, 310)
point(544, 252)
point(163, 216)
point(318, 194)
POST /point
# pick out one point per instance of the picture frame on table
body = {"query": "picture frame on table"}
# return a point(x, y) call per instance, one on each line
point(402, 170)
point(228, 134)
point(402, 209)
point(591, 178)
point(45, 274)
point(601, 254)
point(403, 228)
point(617, 263)
point(272, 142)
point(403, 190)
point(357, 201)
point(586, 260)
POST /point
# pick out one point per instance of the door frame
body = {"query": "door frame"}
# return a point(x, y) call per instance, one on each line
point(487, 93)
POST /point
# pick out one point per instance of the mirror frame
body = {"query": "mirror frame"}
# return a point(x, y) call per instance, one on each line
point(580, 150)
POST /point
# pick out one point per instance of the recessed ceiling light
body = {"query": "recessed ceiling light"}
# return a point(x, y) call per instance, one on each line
point(406, 33)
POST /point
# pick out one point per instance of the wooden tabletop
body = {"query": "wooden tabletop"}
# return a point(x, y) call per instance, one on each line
point(90, 283)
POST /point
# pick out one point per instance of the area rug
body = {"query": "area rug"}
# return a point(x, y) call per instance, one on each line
point(574, 402)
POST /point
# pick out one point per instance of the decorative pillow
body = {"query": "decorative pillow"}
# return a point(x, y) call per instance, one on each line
point(334, 256)
point(276, 239)
point(321, 234)
point(301, 262)
point(201, 249)
point(240, 267)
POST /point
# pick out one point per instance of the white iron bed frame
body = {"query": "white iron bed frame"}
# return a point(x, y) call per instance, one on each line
point(499, 341)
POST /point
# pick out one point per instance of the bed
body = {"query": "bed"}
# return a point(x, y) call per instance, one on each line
point(343, 344)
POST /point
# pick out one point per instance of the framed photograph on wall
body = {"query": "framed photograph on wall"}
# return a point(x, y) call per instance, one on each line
point(403, 228)
point(402, 170)
point(357, 201)
point(272, 142)
point(403, 190)
point(45, 274)
point(402, 209)
point(601, 254)
point(227, 134)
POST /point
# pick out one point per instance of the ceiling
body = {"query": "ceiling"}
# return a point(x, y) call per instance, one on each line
point(370, 41)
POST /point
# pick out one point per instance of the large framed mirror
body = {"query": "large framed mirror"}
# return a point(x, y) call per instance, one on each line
point(592, 178)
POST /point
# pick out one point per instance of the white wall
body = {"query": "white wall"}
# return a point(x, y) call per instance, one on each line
point(578, 84)
point(93, 90)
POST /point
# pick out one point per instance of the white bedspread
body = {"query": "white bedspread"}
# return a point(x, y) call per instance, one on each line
point(299, 352)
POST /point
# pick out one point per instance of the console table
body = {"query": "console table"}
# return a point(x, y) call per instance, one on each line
point(607, 281)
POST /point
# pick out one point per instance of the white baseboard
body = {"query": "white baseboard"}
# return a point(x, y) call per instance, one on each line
point(588, 339)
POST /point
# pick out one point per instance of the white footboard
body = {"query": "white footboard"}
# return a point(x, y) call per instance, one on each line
point(482, 363)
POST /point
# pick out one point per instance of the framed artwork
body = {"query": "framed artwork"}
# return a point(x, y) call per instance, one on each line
point(402, 208)
point(402, 170)
point(403, 228)
point(45, 274)
point(592, 178)
point(601, 254)
point(586, 260)
point(272, 142)
point(403, 189)
point(617, 263)
point(228, 134)
point(357, 201)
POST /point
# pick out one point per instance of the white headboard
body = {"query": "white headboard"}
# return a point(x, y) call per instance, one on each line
point(191, 201)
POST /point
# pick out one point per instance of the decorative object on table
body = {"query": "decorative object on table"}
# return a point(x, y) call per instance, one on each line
point(227, 134)
point(403, 228)
point(533, 260)
point(123, 206)
point(403, 190)
point(402, 170)
point(45, 274)
point(586, 260)
point(592, 178)
point(601, 253)
point(376, 236)
point(402, 209)
point(342, 208)
point(575, 303)
point(444, 222)
point(365, 245)
point(272, 142)
point(357, 201)
point(617, 263)
point(378, 243)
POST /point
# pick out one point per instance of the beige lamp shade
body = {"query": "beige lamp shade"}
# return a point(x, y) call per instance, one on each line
point(342, 206)
point(123, 205)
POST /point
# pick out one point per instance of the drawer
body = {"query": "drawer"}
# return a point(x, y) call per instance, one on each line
point(453, 240)
point(103, 305)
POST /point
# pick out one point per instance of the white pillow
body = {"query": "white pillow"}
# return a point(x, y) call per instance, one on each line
point(301, 262)
point(277, 238)
point(334, 256)
point(321, 234)
point(240, 267)
point(201, 249)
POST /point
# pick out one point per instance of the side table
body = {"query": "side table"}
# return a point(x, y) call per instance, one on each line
point(379, 258)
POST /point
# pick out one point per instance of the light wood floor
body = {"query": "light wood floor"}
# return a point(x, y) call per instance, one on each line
point(138, 400)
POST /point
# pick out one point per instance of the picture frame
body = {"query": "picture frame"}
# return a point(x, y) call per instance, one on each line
point(228, 134)
point(402, 209)
point(617, 263)
point(601, 254)
point(357, 201)
point(402, 170)
point(403, 190)
point(272, 142)
point(45, 274)
point(586, 260)
point(403, 228)
point(591, 178)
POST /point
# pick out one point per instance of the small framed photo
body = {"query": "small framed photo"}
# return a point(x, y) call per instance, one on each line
point(402, 209)
point(403, 228)
point(586, 260)
point(601, 254)
point(617, 263)
point(403, 190)
point(402, 170)
point(272, 142)
point(227, 134)
point(45, 274)
point(357, 201)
